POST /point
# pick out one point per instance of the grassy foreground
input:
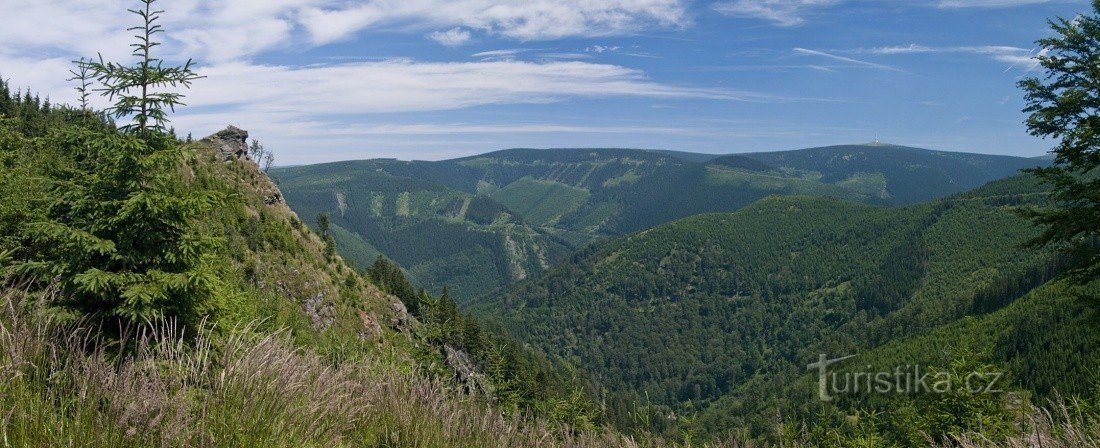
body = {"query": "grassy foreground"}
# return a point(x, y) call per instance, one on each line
point(61, 385)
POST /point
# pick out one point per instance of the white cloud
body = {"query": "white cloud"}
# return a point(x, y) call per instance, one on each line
point(221, 31)
point(395, 86)
point(987, 3)
point(858, 62)
point(518, 19)
point(505, 54)
point(781, 12)
point(599, 49)
point(452, 38)
point(1015, 56)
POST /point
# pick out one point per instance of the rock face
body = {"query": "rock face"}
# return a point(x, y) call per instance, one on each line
point(465, 372)
point(231, 143)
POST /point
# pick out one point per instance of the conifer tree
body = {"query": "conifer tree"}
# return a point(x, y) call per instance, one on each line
point(143, 91)
point(122, 236)
point(1065, 105)
point(82, 74)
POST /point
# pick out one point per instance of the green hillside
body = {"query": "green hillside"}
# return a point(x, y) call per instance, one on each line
point(442, 236)
point(715, 316)
point(897, 174)
point(159, 292)
point(537, 206)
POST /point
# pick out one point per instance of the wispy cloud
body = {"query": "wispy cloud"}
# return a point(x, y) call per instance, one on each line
point(808, 52)
point(220, 31)
point(404, 85)
point(517, 19)
point(780, 12)
point(565, 56)
point(1014, 56)
point(979, 49)
point(795, 12)
point(988, 3)
point(599, 49)
point(452, 38)
point(507, 53)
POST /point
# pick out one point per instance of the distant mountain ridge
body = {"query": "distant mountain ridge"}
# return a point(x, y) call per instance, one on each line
point(717, 315)
point(480, 222)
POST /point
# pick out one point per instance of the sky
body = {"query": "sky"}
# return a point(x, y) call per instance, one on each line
point(326, 80)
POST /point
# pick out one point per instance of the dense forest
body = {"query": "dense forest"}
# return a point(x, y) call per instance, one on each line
point(124, 246)
point(713, 316)
point(478, 223)
point(161, 291)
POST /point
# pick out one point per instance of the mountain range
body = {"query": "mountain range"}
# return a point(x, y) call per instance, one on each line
point(715, 315)
point(478, 223)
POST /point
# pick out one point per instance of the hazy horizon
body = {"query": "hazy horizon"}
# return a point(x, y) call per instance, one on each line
point(328, 80)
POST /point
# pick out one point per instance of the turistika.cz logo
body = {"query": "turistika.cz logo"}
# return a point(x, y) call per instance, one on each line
point(907, 379)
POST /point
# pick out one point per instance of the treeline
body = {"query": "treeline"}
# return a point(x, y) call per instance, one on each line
point(32, 116)
point(518, 378)
point(700, 325)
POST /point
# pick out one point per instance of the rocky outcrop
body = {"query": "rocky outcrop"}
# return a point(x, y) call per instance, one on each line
point(402, 321)
point(273, 196)
point(465, 372)
point(321, 314)
point(231, 143)
point(371, 329)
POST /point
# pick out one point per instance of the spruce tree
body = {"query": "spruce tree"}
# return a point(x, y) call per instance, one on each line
point(122, 236)
point(1065, 105)
point(145, 90)
point(82, 74)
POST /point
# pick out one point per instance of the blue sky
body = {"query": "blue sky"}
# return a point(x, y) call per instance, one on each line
point(323, 80)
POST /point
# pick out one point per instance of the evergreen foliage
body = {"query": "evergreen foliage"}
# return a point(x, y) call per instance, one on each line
point(144, 91)
point(519, 378)
point(482, 222)
point(1065, 105)
point(121, 233)
point(712, 318)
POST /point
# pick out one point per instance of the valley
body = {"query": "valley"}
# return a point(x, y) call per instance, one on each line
point(478, 223)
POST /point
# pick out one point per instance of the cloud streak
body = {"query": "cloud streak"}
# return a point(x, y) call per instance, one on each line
point(954, 4)
point(808, 52)
point(517, 19)
point(788, 13)
point(452, 38)
point(1015, 56)
point(402, 85)
point(780, 12)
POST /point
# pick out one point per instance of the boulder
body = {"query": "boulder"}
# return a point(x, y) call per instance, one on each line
point(231, 143)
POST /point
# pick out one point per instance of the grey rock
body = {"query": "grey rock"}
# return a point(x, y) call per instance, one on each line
point(465, 372)
point(402, 321)
point(274, 197)
point(231, 143)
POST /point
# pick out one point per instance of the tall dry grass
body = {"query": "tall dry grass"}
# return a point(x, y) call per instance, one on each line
point(61, 385)
point(1062, 424)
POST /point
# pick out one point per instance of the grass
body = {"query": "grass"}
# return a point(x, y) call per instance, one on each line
point(61, 385)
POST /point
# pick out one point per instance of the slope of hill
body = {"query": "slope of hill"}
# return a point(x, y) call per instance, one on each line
point(897, 174)
point(719, 313)
point(534, 206)
point(441, 235)
point(290, 346)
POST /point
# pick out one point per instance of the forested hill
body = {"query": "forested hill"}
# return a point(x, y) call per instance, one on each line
point(717, 315)
point(480, 222)
point(906, 175)
point(156, 291)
